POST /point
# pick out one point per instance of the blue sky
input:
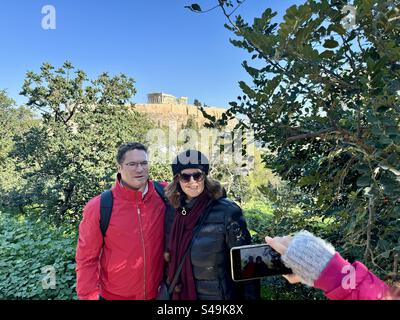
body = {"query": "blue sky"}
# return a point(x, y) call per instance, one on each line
point(159, 43)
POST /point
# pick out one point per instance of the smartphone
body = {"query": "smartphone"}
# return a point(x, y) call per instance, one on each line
point(256, 261)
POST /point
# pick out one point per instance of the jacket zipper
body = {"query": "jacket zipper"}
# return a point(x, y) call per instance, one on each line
point(144, 254)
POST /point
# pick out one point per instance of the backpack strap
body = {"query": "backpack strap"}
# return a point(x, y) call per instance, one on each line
point(106, 204)
point(160, 190)
point(169, 212)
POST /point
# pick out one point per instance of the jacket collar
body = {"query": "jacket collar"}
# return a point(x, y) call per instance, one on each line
point(131, 194)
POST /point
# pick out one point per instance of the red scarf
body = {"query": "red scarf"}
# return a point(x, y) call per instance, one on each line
point(180, 238)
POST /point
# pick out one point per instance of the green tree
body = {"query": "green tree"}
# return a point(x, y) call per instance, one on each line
point(70, 157)
point(14, 123)
point(190, 123)
point(197, 103)
point(6, 128)
point(324, 99)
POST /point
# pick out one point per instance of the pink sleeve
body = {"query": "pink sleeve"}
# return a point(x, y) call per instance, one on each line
point(88, 252)
point(341, 280)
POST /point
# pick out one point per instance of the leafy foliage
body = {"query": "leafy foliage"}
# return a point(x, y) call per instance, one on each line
point(325, 101)
point(28, 245)
point(277, 288)
point(14, 123)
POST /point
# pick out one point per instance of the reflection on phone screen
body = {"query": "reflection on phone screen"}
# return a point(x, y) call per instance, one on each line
point(256, 262)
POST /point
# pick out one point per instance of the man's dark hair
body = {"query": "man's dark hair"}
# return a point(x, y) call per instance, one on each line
point(124, 148)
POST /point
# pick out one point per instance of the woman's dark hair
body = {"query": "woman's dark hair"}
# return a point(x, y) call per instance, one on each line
point(174, 191)
point(124, 148)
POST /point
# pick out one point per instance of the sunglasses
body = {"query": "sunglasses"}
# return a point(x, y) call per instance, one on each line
point(198, 176)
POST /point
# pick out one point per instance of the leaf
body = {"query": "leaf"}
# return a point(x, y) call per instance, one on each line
point(362, 168)
point(364, 181)
point(308, 180)
point(384, 141)
point(20, 236)
point(337, 28)
point(331, 44)
point(385, 254)
point(71, 266)
point(327, 54)
point(390, 186)
point(194, 7)
point(393, 159)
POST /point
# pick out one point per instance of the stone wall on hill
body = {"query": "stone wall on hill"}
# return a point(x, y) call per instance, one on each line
point(165, 113)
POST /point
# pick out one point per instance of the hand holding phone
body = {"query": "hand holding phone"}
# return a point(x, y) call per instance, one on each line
point(256, 261)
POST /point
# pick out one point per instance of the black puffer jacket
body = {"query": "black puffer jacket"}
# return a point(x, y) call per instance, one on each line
point(223, 229)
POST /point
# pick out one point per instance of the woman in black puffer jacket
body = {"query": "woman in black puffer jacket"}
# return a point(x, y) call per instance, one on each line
point(200, 201)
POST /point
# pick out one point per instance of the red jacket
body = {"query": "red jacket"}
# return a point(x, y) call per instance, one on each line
point(131, 264)
point(335, 281)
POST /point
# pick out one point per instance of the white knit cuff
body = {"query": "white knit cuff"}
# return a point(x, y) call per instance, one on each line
point(307, 256)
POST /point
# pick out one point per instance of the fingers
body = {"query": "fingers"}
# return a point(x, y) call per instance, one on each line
point(285, 240)
point(279, 244)
point(276, 245)
point(292, 278)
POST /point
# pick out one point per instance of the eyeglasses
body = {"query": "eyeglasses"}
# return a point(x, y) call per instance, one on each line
point(135, 165)
point(198, 176)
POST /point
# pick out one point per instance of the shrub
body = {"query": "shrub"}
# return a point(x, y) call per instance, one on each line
point(27, 248)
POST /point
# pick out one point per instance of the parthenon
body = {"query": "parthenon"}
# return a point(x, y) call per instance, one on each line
point(164, 98)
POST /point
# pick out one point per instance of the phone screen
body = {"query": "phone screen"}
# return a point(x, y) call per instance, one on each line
point(256, 261)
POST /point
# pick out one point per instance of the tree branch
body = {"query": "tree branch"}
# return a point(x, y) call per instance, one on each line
point(369, 228)
point(72, 112)
point(395, 266)
point(310, 135)
point(237, 7)
point(221, 4)
point(326, 70)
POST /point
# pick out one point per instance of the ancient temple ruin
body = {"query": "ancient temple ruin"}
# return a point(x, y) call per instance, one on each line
point(164, 98)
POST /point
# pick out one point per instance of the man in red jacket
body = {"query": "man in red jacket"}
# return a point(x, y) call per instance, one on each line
point(130, 264)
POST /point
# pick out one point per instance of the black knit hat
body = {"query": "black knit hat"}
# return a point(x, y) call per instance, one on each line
point(190, 159)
